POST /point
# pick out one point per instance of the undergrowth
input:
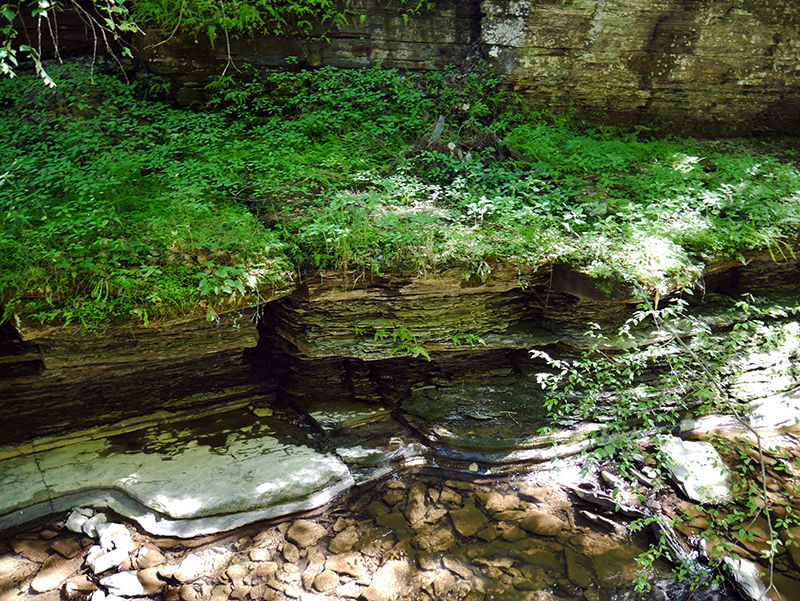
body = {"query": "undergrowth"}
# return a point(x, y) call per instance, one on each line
point(116, 207)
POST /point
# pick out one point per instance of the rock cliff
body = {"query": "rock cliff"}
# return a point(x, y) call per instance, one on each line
point(691, 66)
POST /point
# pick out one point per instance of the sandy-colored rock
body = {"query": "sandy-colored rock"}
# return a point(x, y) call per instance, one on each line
point(390, 581)
point(66, 547)
point(148, 557)
point(434, 539)
point(394, 520)
point(345, 540)
point(76, 585)
point(326, 581)
point(351, 564)
point(266, 569)
point(54, 572)
point(259, 554)
point(35, 550)
point(305, 533)
point(290, 553)
point(151, 583)
point(495, 502)
point(542, 524)
point(469, 520)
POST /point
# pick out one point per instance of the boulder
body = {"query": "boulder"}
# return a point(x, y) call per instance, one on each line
point(542, 524)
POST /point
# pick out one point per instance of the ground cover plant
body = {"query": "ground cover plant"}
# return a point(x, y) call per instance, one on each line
point(113, 206)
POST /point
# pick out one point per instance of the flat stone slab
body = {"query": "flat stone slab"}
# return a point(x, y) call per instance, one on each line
point(184, 479)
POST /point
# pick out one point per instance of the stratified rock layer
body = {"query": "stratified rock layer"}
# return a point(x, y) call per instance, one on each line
point(690, 66)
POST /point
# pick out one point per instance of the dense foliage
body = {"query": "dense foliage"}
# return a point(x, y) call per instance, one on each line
point(113, 206)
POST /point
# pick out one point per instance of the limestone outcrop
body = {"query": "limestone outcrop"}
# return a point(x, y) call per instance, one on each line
point(689, 66)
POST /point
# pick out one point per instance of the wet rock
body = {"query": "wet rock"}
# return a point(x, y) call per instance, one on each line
point(259, 554)
point(347, 539)
point(511, 533)
point(236, 573)
point(188, 592)
point(449, 496)
point(305, 533)
point(377, 508)
point(457, 567)
point(469, 520)
point(54, 572)
point(416, 508)
point(351, 564)
point(290, 553)
point(326, 581)
point(434, 539)
point(489, 533)
point(495, 502)
point(542, 524)
point(393, 497)
point(531, 492)
point(66, 547)
point(267, 569)
point(394, 520)
point(391, 579)
point(577, 574)
point(549, 561)
point(242, 592)
point(791, 538)
point(48, 534)
point(316, 564)
point(745, 575)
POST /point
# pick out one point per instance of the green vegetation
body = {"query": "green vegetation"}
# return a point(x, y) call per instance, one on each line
point(218, 20)
point(646, 389)
point(115, 207)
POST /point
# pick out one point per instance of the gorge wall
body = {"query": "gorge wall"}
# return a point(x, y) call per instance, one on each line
point(713, 67)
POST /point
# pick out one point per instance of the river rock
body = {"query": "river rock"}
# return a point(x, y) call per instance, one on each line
point(542, 524)
point(326, 581)
point(434, 539)
point(469, 520)
point(697, 468)
point(345, 540)
point(351, 564)
point(416, 508)
point(391, 579)
point(305, 533)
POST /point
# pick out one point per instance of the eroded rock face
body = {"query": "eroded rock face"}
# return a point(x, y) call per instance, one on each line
point(686, 65)
point(692, 66)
